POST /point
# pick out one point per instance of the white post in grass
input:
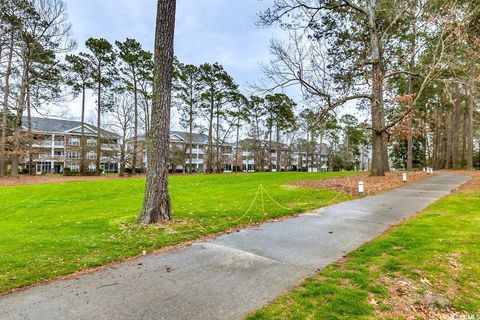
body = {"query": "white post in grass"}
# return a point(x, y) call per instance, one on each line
point(361, 187)
point(404, 177)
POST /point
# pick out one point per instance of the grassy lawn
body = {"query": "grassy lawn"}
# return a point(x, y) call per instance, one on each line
point(55, 229)
point(427, 268)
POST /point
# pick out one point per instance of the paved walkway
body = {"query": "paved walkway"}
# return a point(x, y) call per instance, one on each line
point(232, 275)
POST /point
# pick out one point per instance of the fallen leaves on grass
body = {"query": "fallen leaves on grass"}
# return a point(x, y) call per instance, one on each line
point(411, 300)
point(373, 185)
point(472, 184)
point(43, 179)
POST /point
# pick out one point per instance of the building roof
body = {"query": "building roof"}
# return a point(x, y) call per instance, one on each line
point(264, 143)
point(197, 138)
point(62, 126)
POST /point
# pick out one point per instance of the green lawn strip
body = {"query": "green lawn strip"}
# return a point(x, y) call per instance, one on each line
point(56, 229)
point(438, 249)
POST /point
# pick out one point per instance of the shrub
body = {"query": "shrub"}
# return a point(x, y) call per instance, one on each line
point(90, 173)
point(69, 172)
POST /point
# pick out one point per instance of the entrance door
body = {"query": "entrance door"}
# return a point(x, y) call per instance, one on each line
point(58, 168)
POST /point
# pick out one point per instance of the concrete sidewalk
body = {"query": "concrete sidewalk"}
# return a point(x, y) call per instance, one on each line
point(232, 275)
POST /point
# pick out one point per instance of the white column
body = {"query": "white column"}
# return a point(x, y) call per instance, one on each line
point(53, 145)
point(52, 162)
point(198, 157)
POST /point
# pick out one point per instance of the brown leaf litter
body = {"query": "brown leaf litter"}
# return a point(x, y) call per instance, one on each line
point(373, 185)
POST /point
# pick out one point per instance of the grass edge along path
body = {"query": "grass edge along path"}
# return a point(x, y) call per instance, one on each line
point(53, 230)
point(428, 267)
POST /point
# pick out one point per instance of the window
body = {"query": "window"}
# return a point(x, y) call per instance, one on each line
point(73, 155)
point(91, 142)
point(74, 167)
point(91, 155)
point(74, 141)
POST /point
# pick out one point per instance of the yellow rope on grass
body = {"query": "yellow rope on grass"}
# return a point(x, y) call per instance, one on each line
point(261, 190)
point(273, 200)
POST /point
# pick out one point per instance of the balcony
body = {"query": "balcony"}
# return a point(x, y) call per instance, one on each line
point(59, 144)
point(42, 144)
point(195, 161)
point(196, 151)
point(109, 146)
point(48, 157)
point(48, 144)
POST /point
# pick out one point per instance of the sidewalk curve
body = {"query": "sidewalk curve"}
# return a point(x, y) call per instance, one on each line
point(231, 275)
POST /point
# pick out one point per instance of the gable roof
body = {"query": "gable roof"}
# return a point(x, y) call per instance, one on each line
point(197, 138)
point(62, 126)
point(248, 142)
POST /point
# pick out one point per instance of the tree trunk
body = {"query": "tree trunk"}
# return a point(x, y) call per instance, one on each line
point(121, 172)
point(410, 93)
point(436, 144)
point(82, 137)
point(217, 142)
point(456, 129)
point(279, 151)
point(210, 133)
point(6, 95)
point(238, 159)
point(409, 143)
point(379, 163)
point(469, 127)
point(464, 124)
point(135, 124)
point(30, 136)
point(18, 127)
point(190, 145)
point(448, 139)
point(156, 206)
point(99, 132)
point(270, 158)
point(320, 150)
point(190, 128)
point(308, 148)
point(258, 153)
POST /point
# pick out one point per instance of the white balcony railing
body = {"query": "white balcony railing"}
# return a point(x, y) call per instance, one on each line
point(59, 143)
point(47, 157)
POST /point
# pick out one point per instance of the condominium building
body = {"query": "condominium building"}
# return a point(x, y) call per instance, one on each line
point(56, 145)
point(263, 155)
point(222, 161)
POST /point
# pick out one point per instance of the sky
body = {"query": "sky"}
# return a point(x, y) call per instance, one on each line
point(211, 31)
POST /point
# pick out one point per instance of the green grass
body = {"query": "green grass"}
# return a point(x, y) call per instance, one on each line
point(420, 250)
point(56, 229)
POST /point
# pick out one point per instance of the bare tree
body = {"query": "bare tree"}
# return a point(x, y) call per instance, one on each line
point(122, 116)
point(44, 32)
point(8, 26)
point(342, 50)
